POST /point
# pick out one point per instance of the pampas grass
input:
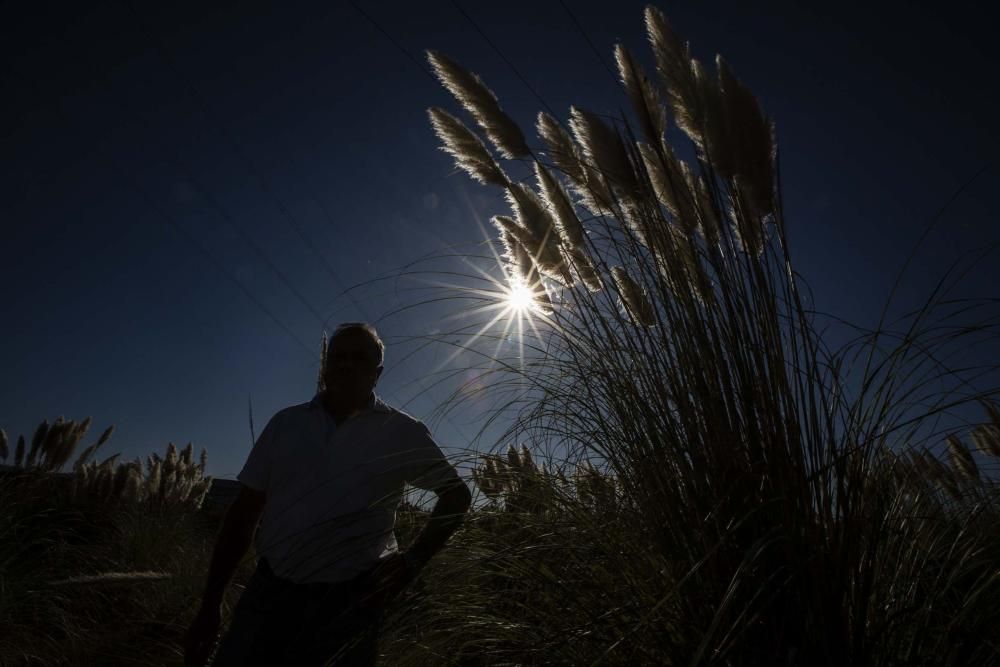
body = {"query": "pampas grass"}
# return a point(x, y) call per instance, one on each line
point(705, 481)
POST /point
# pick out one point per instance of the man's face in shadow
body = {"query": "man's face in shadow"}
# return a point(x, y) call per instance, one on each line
point(352, 369)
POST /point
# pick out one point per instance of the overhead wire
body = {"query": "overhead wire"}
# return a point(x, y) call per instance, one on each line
point(237, 149)
point(56, 105)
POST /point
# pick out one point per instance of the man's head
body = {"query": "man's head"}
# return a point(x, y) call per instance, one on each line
point(353, 364)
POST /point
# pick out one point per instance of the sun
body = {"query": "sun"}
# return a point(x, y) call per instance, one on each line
point(520, 298)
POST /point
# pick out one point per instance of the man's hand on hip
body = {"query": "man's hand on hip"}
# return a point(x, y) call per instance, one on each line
point(386, 581)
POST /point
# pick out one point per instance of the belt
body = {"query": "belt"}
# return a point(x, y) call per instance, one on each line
point(354, 586)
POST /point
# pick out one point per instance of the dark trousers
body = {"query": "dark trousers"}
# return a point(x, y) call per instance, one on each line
point(278, 622)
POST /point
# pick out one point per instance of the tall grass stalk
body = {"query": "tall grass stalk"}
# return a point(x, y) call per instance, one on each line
point(753, 497)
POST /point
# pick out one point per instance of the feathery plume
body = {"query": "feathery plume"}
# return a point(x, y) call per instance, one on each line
point(106, 435)
point(588, 183)
point(536, 232)
point(19, 451)
point(746, 146)
point(987, 439)
point(708, 217)
point(89, 451)
point(961, 459)
point(513, 458)
point(3, 445)
point(187, 455)
point(560, 207)
point(641, 93)
point(993, 410)
point(482, 104)
point(603, 148)
point(585, 270)
point(560, 148)
point(633, 297)
point(679, 73)
point(527, 463)
point(154, 479)
point(669, 178)
point(36, 442)
point(469, 151)
point(519, 263)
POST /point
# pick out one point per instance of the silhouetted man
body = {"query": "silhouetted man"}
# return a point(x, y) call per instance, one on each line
point(324, 480)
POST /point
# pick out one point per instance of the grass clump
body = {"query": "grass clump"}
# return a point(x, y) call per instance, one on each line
point(751, 496)
point(103, 566)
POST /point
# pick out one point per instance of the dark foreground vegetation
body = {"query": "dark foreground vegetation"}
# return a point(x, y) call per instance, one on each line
point(705, 482)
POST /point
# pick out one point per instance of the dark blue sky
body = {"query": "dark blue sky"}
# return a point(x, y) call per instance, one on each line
point(238, 124)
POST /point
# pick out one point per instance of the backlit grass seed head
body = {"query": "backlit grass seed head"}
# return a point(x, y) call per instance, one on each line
point(696, 191)
point(642, 94)
point(668, 183)
point(587, 182)
point(482, 104)
point(560, 207)
point(633, 296)
point(19, 451)
point(585, 270)
point(962, 459)
point(154, 477)
point(3, 445)
point(518, 259)
point(527, 463)
point(513, 458)
point(677, 73)
point(560, 148)
point(536, 231)
point(747, 146)
point(748, 229)
point(36, 442)
point(106, 435)
point(993, 411)
point(469, 151)
point(187, 454)
point(604, 150)
point(133, 486)
point(987, 439)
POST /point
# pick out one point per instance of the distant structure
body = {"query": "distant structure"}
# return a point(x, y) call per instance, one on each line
point(220, 494)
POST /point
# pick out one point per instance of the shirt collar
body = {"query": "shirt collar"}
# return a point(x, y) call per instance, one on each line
point(374, 403)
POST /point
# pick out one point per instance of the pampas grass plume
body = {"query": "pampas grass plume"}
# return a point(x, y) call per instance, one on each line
point(469, 151)
point(641, 93)
point(634, 298)
point(604, 149)
point(962, 459)
point(482, 104)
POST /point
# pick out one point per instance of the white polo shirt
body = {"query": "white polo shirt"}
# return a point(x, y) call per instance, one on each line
point(332, 491)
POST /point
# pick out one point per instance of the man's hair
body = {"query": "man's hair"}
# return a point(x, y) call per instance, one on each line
point(365, 328)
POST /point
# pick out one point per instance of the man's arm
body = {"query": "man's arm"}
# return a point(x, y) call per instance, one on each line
point(395, 572)
point(449, 513)
point(234, 540)
point(235, 536)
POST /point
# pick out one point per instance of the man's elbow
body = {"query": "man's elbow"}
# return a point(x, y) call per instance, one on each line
point(245, 512)
point(457, 498)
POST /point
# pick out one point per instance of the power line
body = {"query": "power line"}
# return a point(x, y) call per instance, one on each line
point(399, 46)
point(597, 54)
point(236, 148)
point(505, 59)
point(169, 219)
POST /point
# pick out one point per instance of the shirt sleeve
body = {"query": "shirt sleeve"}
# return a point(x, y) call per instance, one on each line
point(256, 471)
point(427, 467)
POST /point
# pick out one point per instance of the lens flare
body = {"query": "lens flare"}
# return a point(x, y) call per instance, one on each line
point(520, 298)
